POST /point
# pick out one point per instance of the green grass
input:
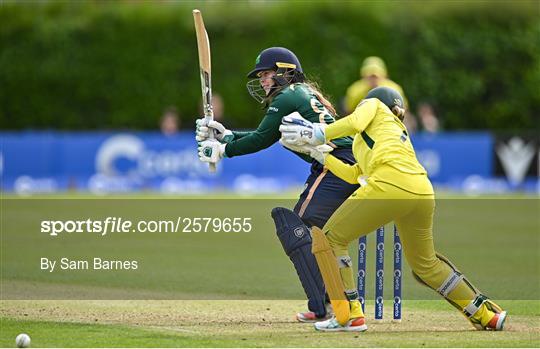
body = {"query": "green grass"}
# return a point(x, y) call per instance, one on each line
point(217, 289)
point(62, 334)
point(477, 235)
point(246, 324)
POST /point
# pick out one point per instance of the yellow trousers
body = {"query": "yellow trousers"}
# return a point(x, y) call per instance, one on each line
point(377, 203)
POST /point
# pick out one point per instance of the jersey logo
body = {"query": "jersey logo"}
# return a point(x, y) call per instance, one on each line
point(299, 232)
point(273, 109)
point(403, 137)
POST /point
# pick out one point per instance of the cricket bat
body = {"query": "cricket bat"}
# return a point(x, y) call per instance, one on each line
point(203, 46)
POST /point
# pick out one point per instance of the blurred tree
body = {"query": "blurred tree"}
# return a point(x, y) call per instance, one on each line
point(102, 65)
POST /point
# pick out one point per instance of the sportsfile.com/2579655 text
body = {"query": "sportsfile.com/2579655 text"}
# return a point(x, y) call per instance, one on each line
point(121, 225)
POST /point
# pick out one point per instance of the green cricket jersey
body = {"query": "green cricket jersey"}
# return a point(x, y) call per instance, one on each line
point(297, 97)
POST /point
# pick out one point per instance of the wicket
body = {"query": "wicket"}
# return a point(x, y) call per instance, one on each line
point(379, 273)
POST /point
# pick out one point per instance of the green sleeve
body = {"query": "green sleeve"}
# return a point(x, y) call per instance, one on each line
point(267, 133)
point(240, 134)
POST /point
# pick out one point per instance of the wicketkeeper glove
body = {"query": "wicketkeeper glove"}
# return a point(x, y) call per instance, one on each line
point(203, 129)
point(297, 130)
point(317, 152)
point(211, 151)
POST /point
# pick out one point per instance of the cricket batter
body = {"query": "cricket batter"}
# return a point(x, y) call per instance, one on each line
point(278, 82)
point(395, 187)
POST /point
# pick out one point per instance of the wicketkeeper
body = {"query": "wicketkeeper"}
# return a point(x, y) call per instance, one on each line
point(395, 187)
point(278, 82)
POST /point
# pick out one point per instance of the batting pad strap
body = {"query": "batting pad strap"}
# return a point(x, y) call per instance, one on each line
point(473, 306)
point(352, 295)
point(450, 283)
point(344, 262)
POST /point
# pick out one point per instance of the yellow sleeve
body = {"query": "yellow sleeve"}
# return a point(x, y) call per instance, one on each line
point(354, 123)
point(349, 173)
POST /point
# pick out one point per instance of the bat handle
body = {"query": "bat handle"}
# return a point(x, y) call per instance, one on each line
point(211, 165)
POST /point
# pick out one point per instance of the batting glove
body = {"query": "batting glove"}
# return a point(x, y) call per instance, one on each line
point(318, 152)
point(203, 129)
point(297, 130)
point(211, 151)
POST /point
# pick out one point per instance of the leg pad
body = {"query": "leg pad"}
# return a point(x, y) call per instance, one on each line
point(296, 241)
point(330, 272)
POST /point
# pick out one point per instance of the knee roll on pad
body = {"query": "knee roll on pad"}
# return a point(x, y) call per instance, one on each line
point(295, 238)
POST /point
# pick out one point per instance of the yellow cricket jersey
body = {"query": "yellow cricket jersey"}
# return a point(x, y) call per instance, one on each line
point(382, 149)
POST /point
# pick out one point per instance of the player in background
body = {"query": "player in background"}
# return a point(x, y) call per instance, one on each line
point(278, 82)
point(373, 74)
point(395, 187)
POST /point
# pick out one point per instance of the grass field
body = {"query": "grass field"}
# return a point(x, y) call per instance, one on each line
point(217, 289)
point(256, 323)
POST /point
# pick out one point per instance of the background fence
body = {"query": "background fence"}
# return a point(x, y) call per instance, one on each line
point(474, 162)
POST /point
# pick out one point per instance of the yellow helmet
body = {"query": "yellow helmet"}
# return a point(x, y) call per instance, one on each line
point(373, 66)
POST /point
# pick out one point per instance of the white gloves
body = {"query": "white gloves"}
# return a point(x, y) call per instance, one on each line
point(297, 134)
point(203, 129)
point(317, 152)
point(296, 130)
point(303, 136)
point(211, 151)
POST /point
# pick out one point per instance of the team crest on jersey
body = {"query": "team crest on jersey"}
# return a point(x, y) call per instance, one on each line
point(273, 109)
point(403, 137)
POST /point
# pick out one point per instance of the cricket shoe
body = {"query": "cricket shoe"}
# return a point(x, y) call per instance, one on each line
point(484, 314)
point(311, 317)
point(332, 325)
point(497, 322)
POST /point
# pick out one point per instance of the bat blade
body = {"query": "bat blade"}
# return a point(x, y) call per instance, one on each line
point(205, 65)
